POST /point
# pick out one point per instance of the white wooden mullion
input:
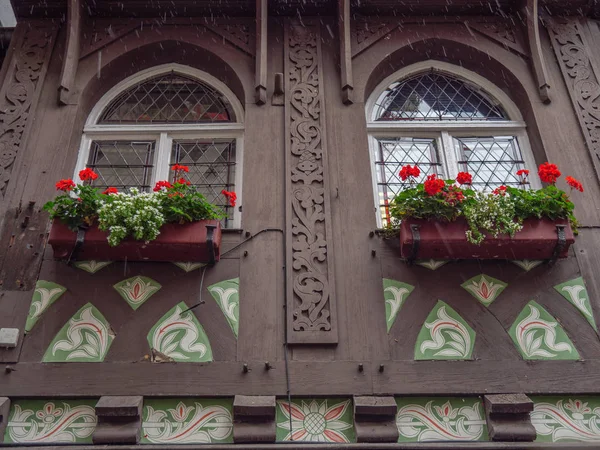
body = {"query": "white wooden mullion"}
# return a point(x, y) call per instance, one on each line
point(450, 154)
point(162, 158)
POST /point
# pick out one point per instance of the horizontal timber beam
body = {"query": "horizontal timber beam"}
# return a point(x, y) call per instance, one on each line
point(341, 378)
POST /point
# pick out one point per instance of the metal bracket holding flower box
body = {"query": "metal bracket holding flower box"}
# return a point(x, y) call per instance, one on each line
point(191, 242)
point(539, 239)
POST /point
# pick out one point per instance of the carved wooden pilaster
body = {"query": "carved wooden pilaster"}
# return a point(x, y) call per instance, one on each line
point(508, 418)
point(254, 419)
point(311, 312)
point(71, 53)
point(260, 85)
point(532, 21)
point(119, 420)
point(582, 82)
point(21, 90)
point(375, 419)
point(346, 78)
point(4, 410)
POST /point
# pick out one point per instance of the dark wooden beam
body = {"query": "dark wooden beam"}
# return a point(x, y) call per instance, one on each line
point(261, 52)
point(345, 51)
point(71, 54)
point(535, 49)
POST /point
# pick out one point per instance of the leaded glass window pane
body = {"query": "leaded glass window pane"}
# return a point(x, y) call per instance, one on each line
point(391, 155)
point(493, 161)
point(436, 96)
point(122, 164)
point(169, 98)
point(212, 168)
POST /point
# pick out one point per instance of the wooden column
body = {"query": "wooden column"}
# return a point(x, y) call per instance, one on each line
point(310, 296)
point(346, 78)
point(535, 49)
point(261, 52)
point(4, 411)
point(71, 54)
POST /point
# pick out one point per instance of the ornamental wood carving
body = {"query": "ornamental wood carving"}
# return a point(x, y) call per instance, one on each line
point(20, 91)
point(311, 311)
point(581, 80)
point(367, 31)
point(502, 32)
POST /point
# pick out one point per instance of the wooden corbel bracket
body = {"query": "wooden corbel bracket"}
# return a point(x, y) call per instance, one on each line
point(346, 78)
point(532, 30)
point(261, 52)
point(71, 54)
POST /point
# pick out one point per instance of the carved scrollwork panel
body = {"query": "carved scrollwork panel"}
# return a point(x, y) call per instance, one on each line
point(581, 80)
point(20, 91)
point(311, 308)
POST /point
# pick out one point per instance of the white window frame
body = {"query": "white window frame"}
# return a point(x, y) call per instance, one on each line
point(165, 134)
point(444, 131)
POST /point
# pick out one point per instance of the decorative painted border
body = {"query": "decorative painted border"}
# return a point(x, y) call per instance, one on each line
point(566, 419)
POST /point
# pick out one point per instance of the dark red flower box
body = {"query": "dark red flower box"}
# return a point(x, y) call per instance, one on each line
point(190, 242)
point(539, 239)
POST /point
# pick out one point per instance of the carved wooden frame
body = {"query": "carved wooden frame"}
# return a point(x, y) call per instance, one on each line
point(311, 312)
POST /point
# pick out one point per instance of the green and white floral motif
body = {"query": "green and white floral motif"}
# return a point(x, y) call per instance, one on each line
point(394, 293)
point(189, 266)
point(484, 288)
point(431, 264)
point(86, 337)
point(576, 293)
point(444, 335)
point(137, 290)
point(227, 295)
point(440, 419)
point(315, 420)
point(187, 421)
point(51, 422)
point(44, 295)
point(527, 264)
point(537, 335)
point(178, 335)
point(566, 419)
point(91, 266)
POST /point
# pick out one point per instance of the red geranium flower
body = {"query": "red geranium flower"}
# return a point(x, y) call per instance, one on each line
point(183, 181)
point(524, 172)
point(179, 167)
point(549, 173)
point(575, 184)
point(162, 184)
point(65, 185)
point(87, 174)
point(500, 191)
point(409, 171)
point(454, 195)
point(464, 178)
point(433, 184)
point(110, 190)
point(231, 197)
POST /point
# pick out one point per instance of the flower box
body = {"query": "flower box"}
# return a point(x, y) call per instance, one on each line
point(538, 240)
point(189, 242)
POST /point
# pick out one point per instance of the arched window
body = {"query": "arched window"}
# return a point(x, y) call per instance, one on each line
point(446, 120)
point(167, 115)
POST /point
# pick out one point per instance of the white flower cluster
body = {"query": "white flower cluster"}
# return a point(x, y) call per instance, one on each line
point(491, 213)
point(131, 214)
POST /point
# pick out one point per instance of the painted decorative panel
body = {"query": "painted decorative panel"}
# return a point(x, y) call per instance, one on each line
point(311, 311)
point(431, 264)
point(44, 295)
point(527, 264)
point(136, 290)
point(21, 89)
point(189, 266)
point(51, 422)
point(395, 293)
point(440, 419)
point(86, 337)
point(566, 419)
point(315, 420)
point(91, 266)
point(444, 335)
point(538, 335)
point(187, 421)
point(576, 293)
point(227, 295)
point(484, 288)
point(178, 336)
